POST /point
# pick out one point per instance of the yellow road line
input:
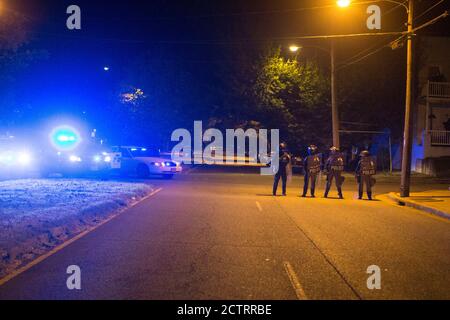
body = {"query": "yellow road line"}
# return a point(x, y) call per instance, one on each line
point(70, 241)
point(258, 205)
point(294, 281)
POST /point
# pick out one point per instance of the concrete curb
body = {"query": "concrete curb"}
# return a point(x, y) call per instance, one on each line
point(413, 204)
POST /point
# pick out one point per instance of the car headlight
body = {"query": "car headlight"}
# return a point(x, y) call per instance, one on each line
point(24, 158)
point(74, 159)
point(97, 159)
point(107, 159)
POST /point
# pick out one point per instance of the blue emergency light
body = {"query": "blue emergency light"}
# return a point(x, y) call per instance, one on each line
point(65, 138)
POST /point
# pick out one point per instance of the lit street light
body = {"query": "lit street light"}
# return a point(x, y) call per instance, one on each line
point(294, 48)
point(343, 3)
point(334, 105)
point(407, 143)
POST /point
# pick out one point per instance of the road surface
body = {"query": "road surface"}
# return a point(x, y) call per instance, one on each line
point(221, 235)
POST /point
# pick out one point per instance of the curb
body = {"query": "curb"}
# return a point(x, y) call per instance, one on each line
point(413, 204)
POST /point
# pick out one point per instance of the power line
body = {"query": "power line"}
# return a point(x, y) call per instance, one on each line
point(374, 46)
point(445, 14)
point(428, 10)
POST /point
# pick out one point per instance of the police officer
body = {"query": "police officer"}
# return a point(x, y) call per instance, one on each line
point(311, 167)
point(364, 171)
point(333, 168)
point(284, 161)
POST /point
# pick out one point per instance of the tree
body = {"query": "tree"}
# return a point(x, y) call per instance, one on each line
point(14, 57)
point(293, 96)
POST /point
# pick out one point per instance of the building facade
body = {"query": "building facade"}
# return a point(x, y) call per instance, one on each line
point(431, 148)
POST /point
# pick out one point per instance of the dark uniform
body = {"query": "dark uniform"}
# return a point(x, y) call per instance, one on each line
point(311, 167)
point(284, 160)
point(334, 167)
point(364, 171)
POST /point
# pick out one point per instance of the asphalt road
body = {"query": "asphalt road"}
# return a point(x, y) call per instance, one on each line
point(221, 235)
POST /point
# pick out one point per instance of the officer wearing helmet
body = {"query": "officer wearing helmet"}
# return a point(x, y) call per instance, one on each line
point(311, 167)
point(333, 168)
point(282, 173)
point(364, 171)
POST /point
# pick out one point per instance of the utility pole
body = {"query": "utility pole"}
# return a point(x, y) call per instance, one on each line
point(407, 143)
point(334, 105)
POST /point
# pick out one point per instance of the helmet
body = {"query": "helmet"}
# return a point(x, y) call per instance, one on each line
point(312, 149)
point(334, 149)
point(365, 153)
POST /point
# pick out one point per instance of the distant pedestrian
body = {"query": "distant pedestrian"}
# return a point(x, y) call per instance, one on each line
point(283, 170)
point(334, 167)
point(311, 166)
point(365, 171)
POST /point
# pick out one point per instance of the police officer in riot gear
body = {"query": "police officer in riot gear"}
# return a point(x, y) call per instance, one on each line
point(311, 167)
point(333, 168)
point(284, 161)
point(364, 171)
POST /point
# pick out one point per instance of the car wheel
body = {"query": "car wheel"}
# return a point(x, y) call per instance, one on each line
point(142, 171)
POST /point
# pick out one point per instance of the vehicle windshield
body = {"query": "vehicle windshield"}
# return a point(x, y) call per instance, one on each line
point(144, 152)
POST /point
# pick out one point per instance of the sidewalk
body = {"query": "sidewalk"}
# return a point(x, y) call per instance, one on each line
point(436, 202)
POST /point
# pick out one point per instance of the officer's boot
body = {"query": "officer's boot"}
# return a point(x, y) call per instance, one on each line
point(360, 195)
point(340, 193)
point(327, 190)
point(313, 191)
point(369, 195)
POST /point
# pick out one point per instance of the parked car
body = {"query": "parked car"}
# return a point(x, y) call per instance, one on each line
point(143, 162)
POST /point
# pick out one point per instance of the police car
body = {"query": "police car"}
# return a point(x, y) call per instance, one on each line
point(143, 162)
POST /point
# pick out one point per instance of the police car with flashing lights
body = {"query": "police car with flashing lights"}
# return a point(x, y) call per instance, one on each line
point(144, 162)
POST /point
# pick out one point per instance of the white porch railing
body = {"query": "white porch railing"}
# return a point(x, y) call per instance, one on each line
point(440, 138)
point(439, 90)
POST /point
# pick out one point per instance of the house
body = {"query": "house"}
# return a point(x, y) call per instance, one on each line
point(431, 127)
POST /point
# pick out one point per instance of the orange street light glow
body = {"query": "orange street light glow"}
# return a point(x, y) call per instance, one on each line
point(294, 48)
point(343, 3)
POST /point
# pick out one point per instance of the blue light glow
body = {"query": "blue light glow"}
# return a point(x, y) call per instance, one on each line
point(65, 138)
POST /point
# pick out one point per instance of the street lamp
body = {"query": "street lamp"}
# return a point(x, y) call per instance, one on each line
point(334, 104)
point(343, 3)
point(407, 143)
point(294, 48)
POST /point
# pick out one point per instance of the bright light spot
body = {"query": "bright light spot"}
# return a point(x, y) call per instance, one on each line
point(24, 158)
point(74, 159)
point(97, 159)
point(294, 48)
point(143, 149)
point(65, 138)
point(343, 3)
point(107, 159)
point(106, 68)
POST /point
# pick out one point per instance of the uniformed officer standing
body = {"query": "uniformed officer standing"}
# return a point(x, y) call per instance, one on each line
point(364, 171)
point(311, 167)
point(333, 168)
point(282, 173)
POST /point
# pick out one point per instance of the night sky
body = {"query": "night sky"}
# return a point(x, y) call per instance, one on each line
point(196, 34)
